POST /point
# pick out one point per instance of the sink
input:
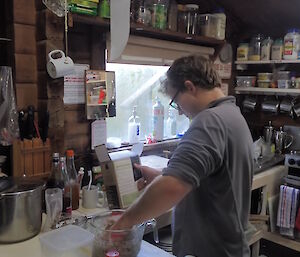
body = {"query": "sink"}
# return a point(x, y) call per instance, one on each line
point(267, 162)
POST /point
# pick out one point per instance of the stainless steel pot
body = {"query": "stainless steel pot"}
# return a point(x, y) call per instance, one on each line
point(20, 211)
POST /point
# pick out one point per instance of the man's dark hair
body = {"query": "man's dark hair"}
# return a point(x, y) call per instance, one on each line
point(195, 68)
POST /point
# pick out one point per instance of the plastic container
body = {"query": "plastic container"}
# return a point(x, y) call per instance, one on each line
point(297, 82)
point(265, 54)
point(134, 126)
point(171, 123)
point(158, 120)
point(277, 50)
point(264, 83)
point(264, 76)
point(291, 44)
point(245, 81)
point(66, 241)
point(255, 48)
point(207, 24)
point(283, 83)
point(220, 23)
point(282, 75)
point(242, 52)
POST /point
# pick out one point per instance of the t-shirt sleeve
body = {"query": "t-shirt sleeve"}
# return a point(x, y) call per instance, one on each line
point(200, 152)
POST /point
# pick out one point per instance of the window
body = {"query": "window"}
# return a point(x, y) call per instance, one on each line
point(138, 85)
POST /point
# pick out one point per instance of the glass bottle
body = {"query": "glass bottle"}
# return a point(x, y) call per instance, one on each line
point(72, 173)
point(67, 203)
point(56, 178)
point(255, 48)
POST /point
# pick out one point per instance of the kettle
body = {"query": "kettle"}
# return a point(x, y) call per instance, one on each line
point(268, 133)
point(282, 140)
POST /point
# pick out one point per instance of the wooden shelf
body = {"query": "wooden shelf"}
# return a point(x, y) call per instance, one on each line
point(267, 91)
point(268, 62)
point(256, 237)
point(141, 30)
point(95, 105)
point(278, 239)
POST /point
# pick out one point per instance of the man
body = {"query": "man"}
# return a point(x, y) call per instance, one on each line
point(209, 176)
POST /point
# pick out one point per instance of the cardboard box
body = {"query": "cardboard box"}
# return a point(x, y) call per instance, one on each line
point(119, 176)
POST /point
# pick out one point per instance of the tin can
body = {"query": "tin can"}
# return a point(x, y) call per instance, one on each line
point(159, 18)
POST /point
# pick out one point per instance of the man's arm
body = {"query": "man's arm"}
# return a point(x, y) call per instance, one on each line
point(160, 196)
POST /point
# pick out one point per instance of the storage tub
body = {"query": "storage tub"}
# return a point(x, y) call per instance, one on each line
point(284, 75)
point(264, 83)
point(264, 76)
point(245, 81)
point(284, 83)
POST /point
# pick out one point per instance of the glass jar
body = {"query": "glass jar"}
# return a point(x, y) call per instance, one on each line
point(144, 16)
point(159, 16)
point(266, 49)
point(242, 52)
point(255, 48)
point(181, 18)
point(192, 19)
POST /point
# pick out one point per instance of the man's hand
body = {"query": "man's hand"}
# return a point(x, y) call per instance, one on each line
point(149, 174)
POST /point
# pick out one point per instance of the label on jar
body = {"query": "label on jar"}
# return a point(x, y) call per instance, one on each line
point(276, 52)
point(242, 53)
point(288, 47)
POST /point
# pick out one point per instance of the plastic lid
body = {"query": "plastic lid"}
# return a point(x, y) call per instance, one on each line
point(55, 155)
point(70, 153)
point(293, 30)
point(112, 254)
point(192, 6)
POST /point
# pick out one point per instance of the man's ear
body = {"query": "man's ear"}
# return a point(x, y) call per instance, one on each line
point(190, 87)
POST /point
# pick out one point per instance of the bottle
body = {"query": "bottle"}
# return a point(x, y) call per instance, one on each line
point(67, 204)
point(171, 124)
point(220, 23)
point(158, 120)
point(72, 173)
point(291, 44)
point(105, 9)
point(56, 178)
point(134, 127)
point(265, 54)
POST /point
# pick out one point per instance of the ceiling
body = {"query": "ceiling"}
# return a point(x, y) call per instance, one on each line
point(269, 17)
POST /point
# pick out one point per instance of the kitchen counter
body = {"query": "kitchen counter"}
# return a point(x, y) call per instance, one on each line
point(32, 248)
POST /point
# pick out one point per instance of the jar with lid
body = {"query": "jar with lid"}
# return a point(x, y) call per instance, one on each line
point(182, 18)
point(291, 44)
point(207, 24)
point(144, 16)
point(159, 16)
point(242, 52)
point(255, 48)
point(220, 23)
point(266, 49)
point(277, 49)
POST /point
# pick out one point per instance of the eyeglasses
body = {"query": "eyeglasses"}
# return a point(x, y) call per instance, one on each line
point(172, 102)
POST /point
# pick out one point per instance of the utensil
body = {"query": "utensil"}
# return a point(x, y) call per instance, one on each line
point(126, 242)
point(249, 104)
point(20, 210)
point(90, 176)
point(295, 111)
point(282, 140)
point(286, 105)
point(268, 133)
point(270, 104)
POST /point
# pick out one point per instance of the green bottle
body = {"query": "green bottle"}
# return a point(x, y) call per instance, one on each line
point(105, 9)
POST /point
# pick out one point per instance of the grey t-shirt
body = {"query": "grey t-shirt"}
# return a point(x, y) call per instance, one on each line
point(215, 157)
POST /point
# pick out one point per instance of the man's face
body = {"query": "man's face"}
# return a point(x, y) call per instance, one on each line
point(185, 100)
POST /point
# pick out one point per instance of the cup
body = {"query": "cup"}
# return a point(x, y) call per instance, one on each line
point(60, 66)
point(54, 206)
point(91, 198)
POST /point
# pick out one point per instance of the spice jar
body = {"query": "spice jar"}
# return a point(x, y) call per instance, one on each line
point(255, 48)
point(242, 52)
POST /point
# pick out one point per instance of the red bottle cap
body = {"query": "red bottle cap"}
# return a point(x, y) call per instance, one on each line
point(112, 254)
point(70, 153)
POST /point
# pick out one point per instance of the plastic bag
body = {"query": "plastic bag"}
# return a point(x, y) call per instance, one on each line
point(56, 6)
point(9, 127)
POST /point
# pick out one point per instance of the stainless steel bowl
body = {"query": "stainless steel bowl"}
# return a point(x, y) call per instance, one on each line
point(20, 211)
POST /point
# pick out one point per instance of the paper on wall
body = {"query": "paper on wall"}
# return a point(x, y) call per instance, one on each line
point(74, 92)
point(99, 133)
point(119, 26)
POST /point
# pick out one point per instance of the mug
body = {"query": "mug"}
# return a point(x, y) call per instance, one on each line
point(61, 66)
point(91, 198)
